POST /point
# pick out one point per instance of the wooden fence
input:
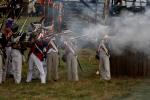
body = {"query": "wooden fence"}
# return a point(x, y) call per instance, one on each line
point(130, 64)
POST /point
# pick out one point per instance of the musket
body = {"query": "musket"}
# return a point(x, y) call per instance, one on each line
point(77, 37)
point(80, 65)
point(54, 34)
point(24, 24)
point(21, 30)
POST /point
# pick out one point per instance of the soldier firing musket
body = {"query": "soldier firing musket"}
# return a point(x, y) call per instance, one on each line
point(36, 56)
point(18, 48)
point(51, 49)
point(103, 53)
point(52, 60)
point(8, 31)
point(70, 57)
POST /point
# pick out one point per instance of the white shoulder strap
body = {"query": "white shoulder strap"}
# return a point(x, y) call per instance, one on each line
point(70, 48)
point(54, 46)
point(38, 48)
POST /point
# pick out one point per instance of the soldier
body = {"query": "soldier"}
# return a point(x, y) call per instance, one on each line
point(71, 58)
point(52, 61)
point(36, 58)
point(104, 66)
point(3, 43)
point(32, 28)
point(16, 60)
point(7, 35)
point(17, 54)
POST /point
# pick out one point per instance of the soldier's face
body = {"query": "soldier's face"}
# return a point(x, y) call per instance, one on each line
point(9, 34)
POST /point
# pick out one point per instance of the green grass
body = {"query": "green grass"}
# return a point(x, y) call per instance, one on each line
point(90, 87)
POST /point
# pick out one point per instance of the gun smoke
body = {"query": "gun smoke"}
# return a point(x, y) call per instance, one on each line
point(129, 30)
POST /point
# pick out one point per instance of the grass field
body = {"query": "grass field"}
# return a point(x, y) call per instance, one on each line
point(90, 87)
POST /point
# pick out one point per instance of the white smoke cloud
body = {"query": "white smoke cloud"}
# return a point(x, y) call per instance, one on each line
point(127, 31)
point(131, 30)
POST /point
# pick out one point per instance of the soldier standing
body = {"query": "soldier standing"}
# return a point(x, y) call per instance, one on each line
point(52, 60)
point(7, 36)
point(8, 32)
point(104, 56)
point(16, 59)
point(71, 59)
point(3, 43)
point(36, 58)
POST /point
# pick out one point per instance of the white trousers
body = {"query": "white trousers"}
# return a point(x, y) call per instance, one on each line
point(36, 73)
point(34, 61)
point(104, 66)
point(16, 65)
point(52, 66)
point(72, 67)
